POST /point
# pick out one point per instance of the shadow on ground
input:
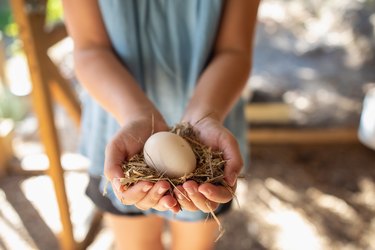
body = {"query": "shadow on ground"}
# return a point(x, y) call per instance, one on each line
point(29, 224)
point(305, 197)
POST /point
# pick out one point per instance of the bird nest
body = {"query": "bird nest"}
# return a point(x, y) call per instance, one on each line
point(209, 166)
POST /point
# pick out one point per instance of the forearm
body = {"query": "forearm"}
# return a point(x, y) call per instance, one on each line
point(222, 82)
point(108, 81)
point(219, 87)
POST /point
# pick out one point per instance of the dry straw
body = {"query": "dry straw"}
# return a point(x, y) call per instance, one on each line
point(210, 163)
point(210, 166)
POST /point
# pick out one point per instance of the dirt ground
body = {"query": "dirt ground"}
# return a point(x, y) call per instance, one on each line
point(293, 197)
point(305, 197)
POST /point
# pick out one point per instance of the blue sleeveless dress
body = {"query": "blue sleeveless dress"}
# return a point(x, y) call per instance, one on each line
point(165, 44)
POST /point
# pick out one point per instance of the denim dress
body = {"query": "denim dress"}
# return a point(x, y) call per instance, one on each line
point(165, 45)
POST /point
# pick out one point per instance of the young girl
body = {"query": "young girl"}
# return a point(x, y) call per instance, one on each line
point(147, 65)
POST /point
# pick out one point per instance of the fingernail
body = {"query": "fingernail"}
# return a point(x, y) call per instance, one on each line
point(116, 184)
point(162, 190)
point(232, 179)
point(190, 190)
point(146, 188)
point(168, 206)
point(180, 196)
point(206, 192)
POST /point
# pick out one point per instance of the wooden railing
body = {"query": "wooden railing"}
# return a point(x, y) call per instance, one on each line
point(48, 85)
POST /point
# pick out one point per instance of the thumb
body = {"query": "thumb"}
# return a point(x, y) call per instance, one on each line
point(114, 157)
point(233, 157)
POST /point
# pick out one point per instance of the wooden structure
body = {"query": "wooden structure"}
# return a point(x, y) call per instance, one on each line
point(313, 136)
point(49, 85)
point(276, 114)
point(6, 136)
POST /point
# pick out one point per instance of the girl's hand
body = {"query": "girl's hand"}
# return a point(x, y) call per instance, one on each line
point(126, 143)
point(207, 197)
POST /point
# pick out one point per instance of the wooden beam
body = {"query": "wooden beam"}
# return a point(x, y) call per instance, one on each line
point(62, 92)
point(303, 136)
point(55, 34)
point(270, 113)
point(6, 152)
point(29, 25)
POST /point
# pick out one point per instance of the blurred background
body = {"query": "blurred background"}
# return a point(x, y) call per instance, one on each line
point(311, 116)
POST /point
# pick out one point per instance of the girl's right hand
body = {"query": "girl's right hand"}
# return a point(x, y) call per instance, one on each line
point(126, 143)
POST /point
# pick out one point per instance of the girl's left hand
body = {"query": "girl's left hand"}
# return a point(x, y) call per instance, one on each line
point(207, 197)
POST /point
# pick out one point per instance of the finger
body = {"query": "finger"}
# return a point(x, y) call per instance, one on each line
point(219, 194)
point(175, 209)
point(135, 193)
point(115, 153)
point(153, 196)
point(232, 155)
point(199, 200)
point(167, 202)
point(222, 139)
point(183, 199)
point(118, 193)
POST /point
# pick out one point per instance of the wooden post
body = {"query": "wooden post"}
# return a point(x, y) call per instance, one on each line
point(305, 136)
point(30, 19)
point(62, 92)
point(6, 152)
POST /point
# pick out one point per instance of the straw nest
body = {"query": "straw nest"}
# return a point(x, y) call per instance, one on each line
point(209, 167)
point(210, 163)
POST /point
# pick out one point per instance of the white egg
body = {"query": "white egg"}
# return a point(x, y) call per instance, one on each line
point(169, 154)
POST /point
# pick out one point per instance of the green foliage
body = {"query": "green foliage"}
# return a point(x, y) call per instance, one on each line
point(9, 28)
point(11, 106)
point(54, 11)
point(5, 16)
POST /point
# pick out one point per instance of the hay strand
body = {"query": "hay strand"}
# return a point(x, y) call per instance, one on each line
point(210, 168)
point(210, 164)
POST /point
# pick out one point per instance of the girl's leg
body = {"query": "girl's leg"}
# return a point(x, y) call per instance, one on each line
point(193, 235)
point(138, 232)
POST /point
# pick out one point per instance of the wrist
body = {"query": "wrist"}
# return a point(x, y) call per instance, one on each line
point(146, 112)
point(195, 116)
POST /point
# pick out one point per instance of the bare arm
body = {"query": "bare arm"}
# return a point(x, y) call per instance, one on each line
point(222, 82)
point(218, 89)
point(98, 68)
point(110, 83)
